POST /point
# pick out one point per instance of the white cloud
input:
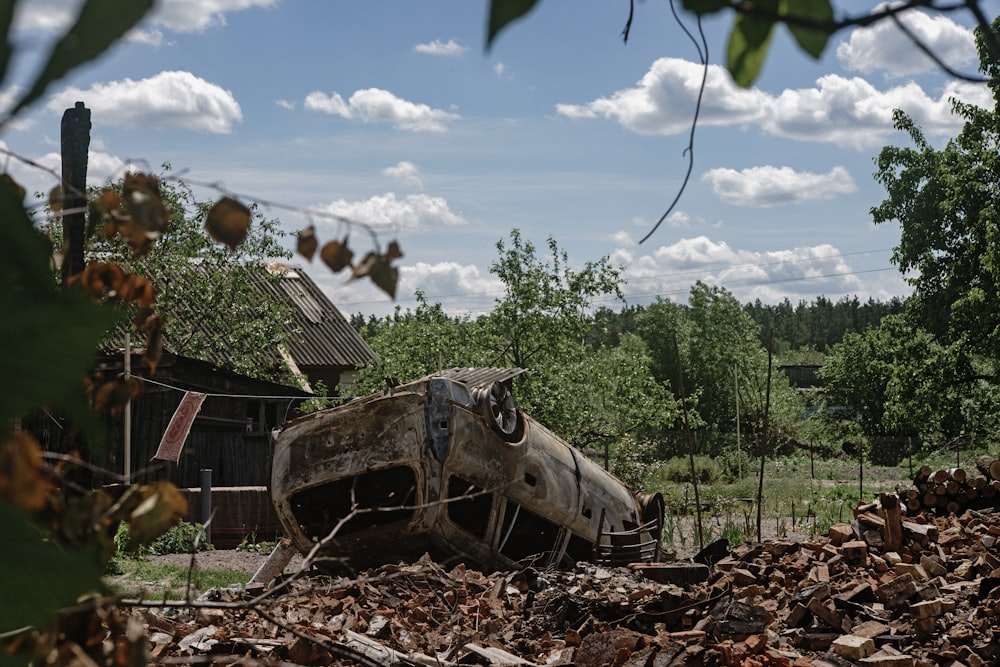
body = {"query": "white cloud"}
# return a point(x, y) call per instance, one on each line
point(405, 171)
point(846, 112)
point(771, 186)
point(884, 47)
point(285, 104)
point(450, 48)
point(200, 15)
point(413, 212)
point(175, 15)
point(101, 167)
point(374, 105)
point(499, 68)
point(771, 276)
point(150, 37)
point(462, 289)
point(663, 101)
point(168, 100)
point(623, 238)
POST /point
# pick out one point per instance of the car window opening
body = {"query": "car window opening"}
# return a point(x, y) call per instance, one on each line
point(319, 509)
point(469, 507)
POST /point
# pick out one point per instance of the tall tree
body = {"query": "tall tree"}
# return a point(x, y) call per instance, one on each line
point(897, 381)
point(947, 202)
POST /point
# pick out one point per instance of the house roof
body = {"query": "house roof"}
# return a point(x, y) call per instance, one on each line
point(322, 336)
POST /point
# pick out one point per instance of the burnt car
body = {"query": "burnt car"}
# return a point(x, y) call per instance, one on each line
point(448, 465)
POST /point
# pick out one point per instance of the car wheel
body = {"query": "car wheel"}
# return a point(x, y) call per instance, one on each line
point(498, 405)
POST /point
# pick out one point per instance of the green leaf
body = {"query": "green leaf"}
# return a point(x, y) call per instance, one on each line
point(6, 19)
point(748, 45)
point(42, 577)
point(703, 7)
point(100, 24)
point(504, 12)
point(812, 41)
point(49, 337)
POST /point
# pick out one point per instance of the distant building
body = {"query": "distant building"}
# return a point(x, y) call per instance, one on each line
point(802, 376)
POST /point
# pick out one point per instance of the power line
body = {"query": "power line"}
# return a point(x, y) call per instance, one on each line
point(677, 275)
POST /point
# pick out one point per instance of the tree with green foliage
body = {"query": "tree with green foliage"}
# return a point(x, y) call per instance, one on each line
point(415, 343)
point(594, 397)
point(720, 355)
point(947, 202)
point(544, 302)
point(896, 383)
point(204, 288)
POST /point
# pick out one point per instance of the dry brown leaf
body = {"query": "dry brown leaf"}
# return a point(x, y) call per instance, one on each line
point(393, 251)
point(336, 255)
point(23, 481)
point(162, 506)
point(228, 222)
point(56, 199)
point(113, 396)
point(385, 276)
point(307, 242)
point(14, 185)
point(364, 267)
point(141, 193)
point(154, 341)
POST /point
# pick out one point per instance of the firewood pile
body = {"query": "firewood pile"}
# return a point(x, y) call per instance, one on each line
point(953, 490)
point(891, 589)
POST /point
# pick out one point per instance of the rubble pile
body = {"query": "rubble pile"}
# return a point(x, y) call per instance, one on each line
point(888, 590)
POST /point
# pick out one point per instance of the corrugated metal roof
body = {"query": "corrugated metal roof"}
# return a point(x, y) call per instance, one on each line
point(321, 334)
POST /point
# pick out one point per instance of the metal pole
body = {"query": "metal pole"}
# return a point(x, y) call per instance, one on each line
point(128, 411)
point(739, 450)
point(206, 503)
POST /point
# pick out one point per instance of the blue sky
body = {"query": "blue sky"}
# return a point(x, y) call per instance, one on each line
point(392, 114)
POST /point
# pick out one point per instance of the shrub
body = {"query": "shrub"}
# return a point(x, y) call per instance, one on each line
point(678, 470)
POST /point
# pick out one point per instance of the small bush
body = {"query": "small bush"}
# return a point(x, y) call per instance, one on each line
point(678, 470)
point(634, 462)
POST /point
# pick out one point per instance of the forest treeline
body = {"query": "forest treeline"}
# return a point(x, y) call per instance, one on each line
point(798, 330)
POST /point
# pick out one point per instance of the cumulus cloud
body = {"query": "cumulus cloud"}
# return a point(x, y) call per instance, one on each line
point(285, 104)
point(412, 212)
point(405, 171)
point(177, 15)
point(374, 105)
point(451, 48)
point(200, 15)
point(663, 101)
point(168, 100)
point(884, 47)
point(797, 273)
point(848, 112)
point(461, 289)
point(771, 186)
point(101, 167)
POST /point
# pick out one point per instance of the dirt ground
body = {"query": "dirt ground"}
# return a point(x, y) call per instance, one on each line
point(250, 561)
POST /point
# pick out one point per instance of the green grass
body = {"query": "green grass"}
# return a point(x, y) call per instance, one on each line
point(799, 495)
point(137, 578)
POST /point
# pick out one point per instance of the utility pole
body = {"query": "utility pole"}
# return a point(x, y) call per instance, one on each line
point(75, 145)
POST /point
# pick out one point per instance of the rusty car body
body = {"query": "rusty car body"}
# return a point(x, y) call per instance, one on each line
point(447, 465)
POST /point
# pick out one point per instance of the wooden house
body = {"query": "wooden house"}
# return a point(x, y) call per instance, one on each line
point(231, 435)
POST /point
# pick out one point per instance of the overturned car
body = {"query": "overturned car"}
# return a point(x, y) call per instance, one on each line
point(449, 466)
